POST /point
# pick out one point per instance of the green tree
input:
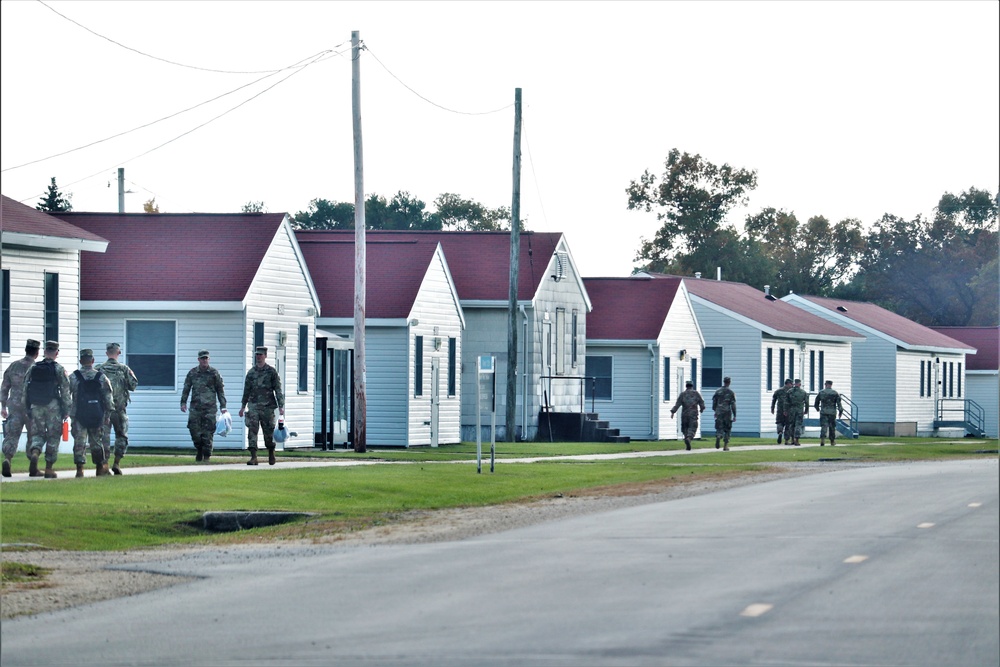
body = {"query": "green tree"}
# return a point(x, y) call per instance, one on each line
point(54, 201)
point(254, 207)
point(691, 201)
point(454, 213)
point(150, 206)
point(325, 214)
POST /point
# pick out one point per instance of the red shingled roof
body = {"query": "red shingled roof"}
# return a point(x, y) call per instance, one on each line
point(22, 219)
point(174, 256)
point(885, 321)
point(629, 308)
point(752, 303)
point(479, 261)
point(394, 268)
point(986, 340)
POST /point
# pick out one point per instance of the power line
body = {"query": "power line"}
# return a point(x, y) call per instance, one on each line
point(431, 102)
point(160, 120)
point(164, 60)
point(534, 172)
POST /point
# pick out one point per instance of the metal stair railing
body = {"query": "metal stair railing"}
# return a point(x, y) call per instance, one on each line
point(849, 427)
point(961, 412)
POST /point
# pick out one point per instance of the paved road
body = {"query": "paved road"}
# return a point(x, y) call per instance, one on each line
point(886, 565)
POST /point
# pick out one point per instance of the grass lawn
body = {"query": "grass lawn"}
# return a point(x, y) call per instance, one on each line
point(123, 512)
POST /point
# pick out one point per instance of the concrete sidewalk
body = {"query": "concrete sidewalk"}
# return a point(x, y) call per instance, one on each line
point(227, 464)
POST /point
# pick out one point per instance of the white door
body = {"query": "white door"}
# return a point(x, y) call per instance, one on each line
point(679, 388)
point(435, 398)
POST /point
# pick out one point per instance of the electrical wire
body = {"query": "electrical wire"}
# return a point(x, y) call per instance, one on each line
point(431, 102)
point(164, 60)
point(534, 172)
point(173, 115)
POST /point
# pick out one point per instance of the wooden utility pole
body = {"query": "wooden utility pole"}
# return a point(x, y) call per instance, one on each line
point(121, 189)
point(515, 253)
point(360, 371)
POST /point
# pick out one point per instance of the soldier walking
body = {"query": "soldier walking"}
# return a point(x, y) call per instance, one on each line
point(829, 406)
point(90, 410)
point(12, 402)
point(261, 395)
point(123, 383)
point(46, 400)
point(796, 404)
point(724, 405)
point(778, 400)
point(693, 405)
point(203, 384)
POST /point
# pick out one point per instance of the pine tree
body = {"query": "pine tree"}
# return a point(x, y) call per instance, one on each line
point(54, 201)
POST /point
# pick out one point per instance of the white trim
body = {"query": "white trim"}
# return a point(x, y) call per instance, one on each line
point(162, 305)
point(369, 322)
point(490, 303)
point(619, 342)
point(56, 242)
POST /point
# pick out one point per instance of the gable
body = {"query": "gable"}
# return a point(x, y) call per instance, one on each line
point(629, 308)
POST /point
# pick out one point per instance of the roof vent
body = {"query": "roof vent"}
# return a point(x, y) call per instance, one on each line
point(770, 297)
point(562, 263)
point(841, 309)
point(767, 290)
point(697, 274)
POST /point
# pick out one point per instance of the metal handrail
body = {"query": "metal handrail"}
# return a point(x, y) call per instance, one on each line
point(973, 414)
point(574, 378)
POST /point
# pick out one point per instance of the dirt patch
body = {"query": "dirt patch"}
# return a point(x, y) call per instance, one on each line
point(78, 578)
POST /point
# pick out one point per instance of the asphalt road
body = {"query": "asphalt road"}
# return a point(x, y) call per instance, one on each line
point(885, 565)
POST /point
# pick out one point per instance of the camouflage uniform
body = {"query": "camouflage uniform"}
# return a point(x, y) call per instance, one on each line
point(123, 382)
point(778, 410)
point(796, 401)
point(829, 406)
point(12, 399)
point(724, 405)
point(691, 405)
point(203, 386)
point(46, 419)
point(261, 395)
point(94, 435)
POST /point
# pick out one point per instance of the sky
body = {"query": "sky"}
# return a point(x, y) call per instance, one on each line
point(844, 109)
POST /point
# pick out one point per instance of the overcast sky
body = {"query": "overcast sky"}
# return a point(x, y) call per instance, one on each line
point(845, 109)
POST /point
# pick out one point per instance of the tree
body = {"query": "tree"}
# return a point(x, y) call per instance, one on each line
point(149, 206)
point(254, 207)
point(466, 215)
point(691, 200)
point(402, 212)
point(54, 201)
point(325, 214)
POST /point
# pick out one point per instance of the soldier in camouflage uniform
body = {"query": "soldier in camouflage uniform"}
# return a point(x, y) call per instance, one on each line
point(203, 383)
point(46, 399)
point(829, 406)
point(693, 405)
point(123, 382)
point(12, 402)
point(778, 400)
point(724, 405)
point(92, 436)
point(796, 404)
point(261, 395)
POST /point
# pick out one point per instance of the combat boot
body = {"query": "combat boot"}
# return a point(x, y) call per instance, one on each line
point(33, 466)
point(253, 458)
point(687, 444)
point(102, 469)
point(6, 467)
point(725, 447)
point(716, 442)
point(115, 469)
point(832, 442)
point(821, 442)
point(49, 472)
point(198, 456)
point(79, 470)
point(270, 456)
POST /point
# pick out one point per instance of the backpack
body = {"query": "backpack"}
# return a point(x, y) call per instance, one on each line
point(42, 386)
point(89, 400)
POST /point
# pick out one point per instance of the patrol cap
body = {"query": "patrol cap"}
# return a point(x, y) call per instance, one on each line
point(829, 382)
point(788, 381)
point(32, 344)
point(798, 381)
point(727, 379)
point(86, 353)
point(262, 350)
point(51, 345)
point(689, 384)
point(113, 347)
point(203, 354)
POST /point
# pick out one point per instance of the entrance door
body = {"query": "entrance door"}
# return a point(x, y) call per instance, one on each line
point(678, 389)
point(435, 398)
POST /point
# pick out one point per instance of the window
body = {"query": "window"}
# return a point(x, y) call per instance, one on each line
point(822, 376)
point(560, 341)
point(921, 378)
point(770, 369)
point(5, 310)
point(452, 366)
point(576, 323)
point(418, 366)
point(960, 379)
point(666, 378)
point(598, 382)
point(781, 366)
point(930, 380)
point(711, 368)
point(791, 364)
point(812, 370)
point(951, 379)
point(152, 350)
point(694, 372)
point(51, 306)
point(258, 335)
point(304, 357)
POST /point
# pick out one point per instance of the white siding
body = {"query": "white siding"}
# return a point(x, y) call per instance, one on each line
point(155, 418)
point(680, 332)
point(280, 297)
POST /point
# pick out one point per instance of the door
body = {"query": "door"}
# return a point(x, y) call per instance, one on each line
point(678, 388)
point(435, 398)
